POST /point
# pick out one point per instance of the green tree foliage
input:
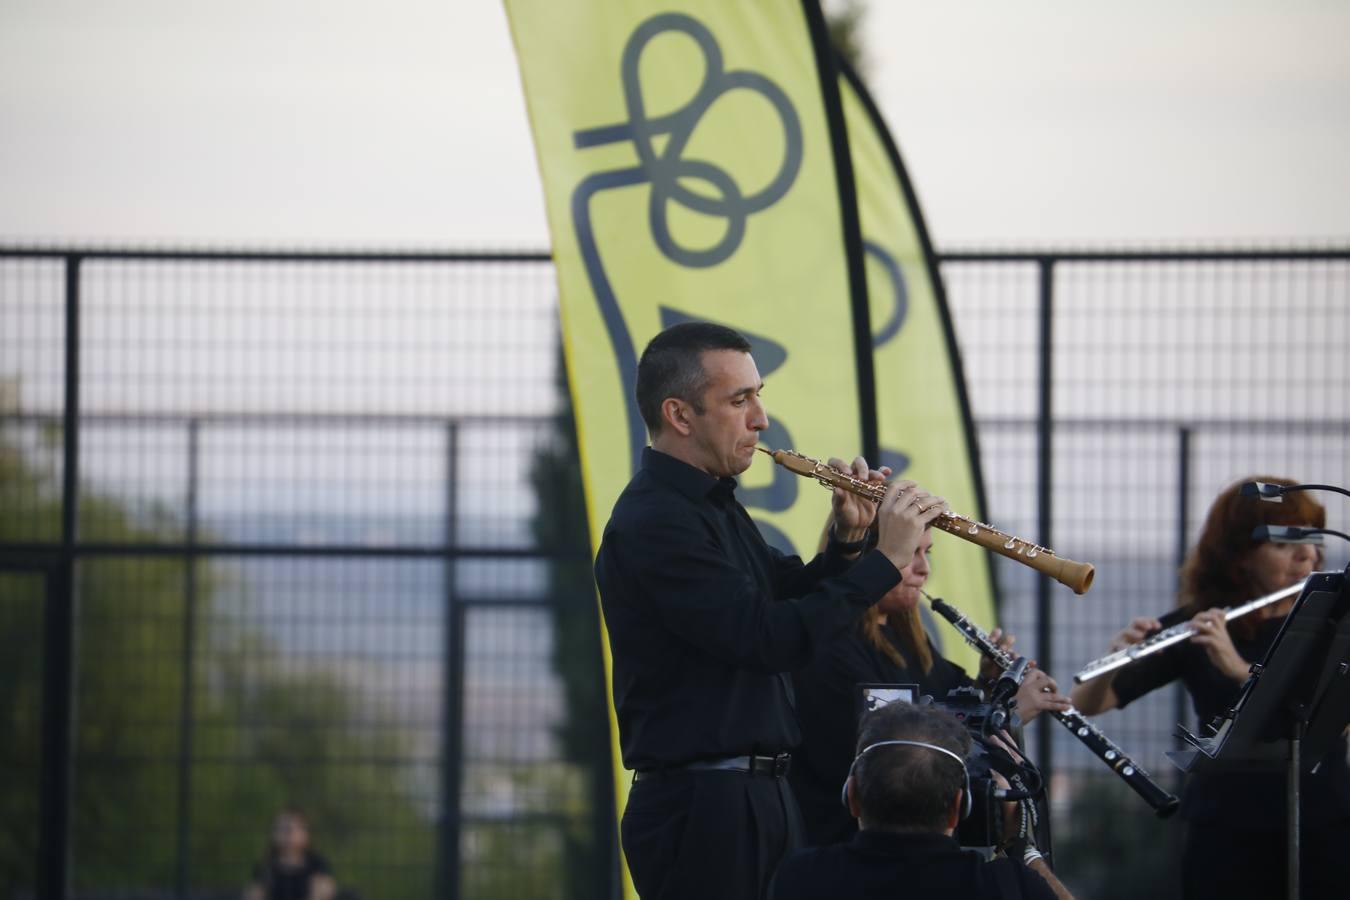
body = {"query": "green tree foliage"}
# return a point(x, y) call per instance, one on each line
point(1107, 827)
point(267, 733)
point(584, 728)
point(844, 21)
point(20, 749)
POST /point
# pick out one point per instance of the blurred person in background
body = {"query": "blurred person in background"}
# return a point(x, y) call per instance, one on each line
point(290, 868)
point(1235, 823)
point(888, 645)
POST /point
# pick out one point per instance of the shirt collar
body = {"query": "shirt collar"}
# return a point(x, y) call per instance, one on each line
point(873, 841)
point(693, 483)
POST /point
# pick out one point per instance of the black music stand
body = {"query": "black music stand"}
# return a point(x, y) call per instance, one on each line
point(1294, 705)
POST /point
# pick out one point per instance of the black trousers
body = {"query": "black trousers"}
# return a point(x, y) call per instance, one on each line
point(1238, 863)
point(708, 835)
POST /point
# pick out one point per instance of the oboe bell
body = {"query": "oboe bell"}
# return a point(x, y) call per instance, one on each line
point(1162, 802)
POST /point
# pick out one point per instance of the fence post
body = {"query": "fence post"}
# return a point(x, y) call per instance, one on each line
point(1179, 695)
point(58, 627)
point(1045, 493)
point(452, 701)
point(185, 700)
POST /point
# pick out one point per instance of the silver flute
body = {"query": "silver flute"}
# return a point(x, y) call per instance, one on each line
point(1163, 803)
point(1175, 635)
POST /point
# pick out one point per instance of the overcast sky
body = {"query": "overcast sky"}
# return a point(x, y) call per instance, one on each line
point(306, 123)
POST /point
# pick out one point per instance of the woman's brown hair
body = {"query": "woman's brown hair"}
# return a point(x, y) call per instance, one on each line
point(910, 629)
point(1214, 573)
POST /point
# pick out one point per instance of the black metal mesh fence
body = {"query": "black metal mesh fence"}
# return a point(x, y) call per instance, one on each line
point(1171, 379)
point(329, 550)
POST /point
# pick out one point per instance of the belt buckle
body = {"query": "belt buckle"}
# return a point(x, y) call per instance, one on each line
point(781, 762)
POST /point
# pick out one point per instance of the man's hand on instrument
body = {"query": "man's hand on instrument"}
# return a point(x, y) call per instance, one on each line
point(1135, 632)
point(903, 514)
point(1039, 693)
point(853, 514)
point(1211, 632)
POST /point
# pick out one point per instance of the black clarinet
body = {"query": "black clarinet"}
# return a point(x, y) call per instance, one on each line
point(1163, 803)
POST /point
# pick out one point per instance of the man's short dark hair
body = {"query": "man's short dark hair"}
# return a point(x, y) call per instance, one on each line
point(907, 788)
point(672, 366)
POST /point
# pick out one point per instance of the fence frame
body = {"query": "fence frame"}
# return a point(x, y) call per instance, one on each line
point(57, 560)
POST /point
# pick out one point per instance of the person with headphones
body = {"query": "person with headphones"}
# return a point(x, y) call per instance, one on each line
point(908, 787)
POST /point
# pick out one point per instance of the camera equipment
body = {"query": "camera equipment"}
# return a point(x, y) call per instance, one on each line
point(1004, 694)
point(983, 827)
point(983, 824)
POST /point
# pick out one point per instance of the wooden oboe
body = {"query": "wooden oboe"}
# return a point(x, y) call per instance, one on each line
point(1074, 575)
point(1163, 803)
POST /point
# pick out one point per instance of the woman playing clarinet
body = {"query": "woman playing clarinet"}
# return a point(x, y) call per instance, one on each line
point(889, 646)
point(1234, 845)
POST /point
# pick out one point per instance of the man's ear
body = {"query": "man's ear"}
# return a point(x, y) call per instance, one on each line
point(677, 415)
point(954, 814)
point(853, 808)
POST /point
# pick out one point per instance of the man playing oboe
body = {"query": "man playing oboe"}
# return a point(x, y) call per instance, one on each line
point(706, 621)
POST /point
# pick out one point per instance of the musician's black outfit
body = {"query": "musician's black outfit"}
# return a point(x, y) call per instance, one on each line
point(878, 865)
point(828, 706)
point(1235, 835)
point(705, 621)
point(285, 883)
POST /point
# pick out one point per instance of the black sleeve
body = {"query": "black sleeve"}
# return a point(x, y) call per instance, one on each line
point(702, 596)
point(789, 880)
point(318, 865)
point(793, 579)
point(1148, 674)
point(944, 676)
point(828, 705)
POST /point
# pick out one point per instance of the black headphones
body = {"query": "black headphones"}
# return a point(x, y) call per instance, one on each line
point(966, 801)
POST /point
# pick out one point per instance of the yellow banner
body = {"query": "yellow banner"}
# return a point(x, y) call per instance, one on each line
point(923, 423)
point(689, 173)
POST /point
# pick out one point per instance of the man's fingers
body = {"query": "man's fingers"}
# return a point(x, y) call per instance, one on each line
point(898, 492)
point(929, 515)
point(860, 469)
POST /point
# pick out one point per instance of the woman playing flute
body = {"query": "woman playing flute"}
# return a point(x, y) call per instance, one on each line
point(1234, 844)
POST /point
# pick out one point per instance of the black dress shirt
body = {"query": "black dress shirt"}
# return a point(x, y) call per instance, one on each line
point(704, 618)
point(1245, 800)
point(879, 865)
point(829, 708)
point(281, 883)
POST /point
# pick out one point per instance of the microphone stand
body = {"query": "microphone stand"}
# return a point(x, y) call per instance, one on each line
point(1004, 693)
point(1275, 492)
point(1293, 534)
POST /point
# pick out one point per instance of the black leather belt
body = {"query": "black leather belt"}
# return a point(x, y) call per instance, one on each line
point(775, 766)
